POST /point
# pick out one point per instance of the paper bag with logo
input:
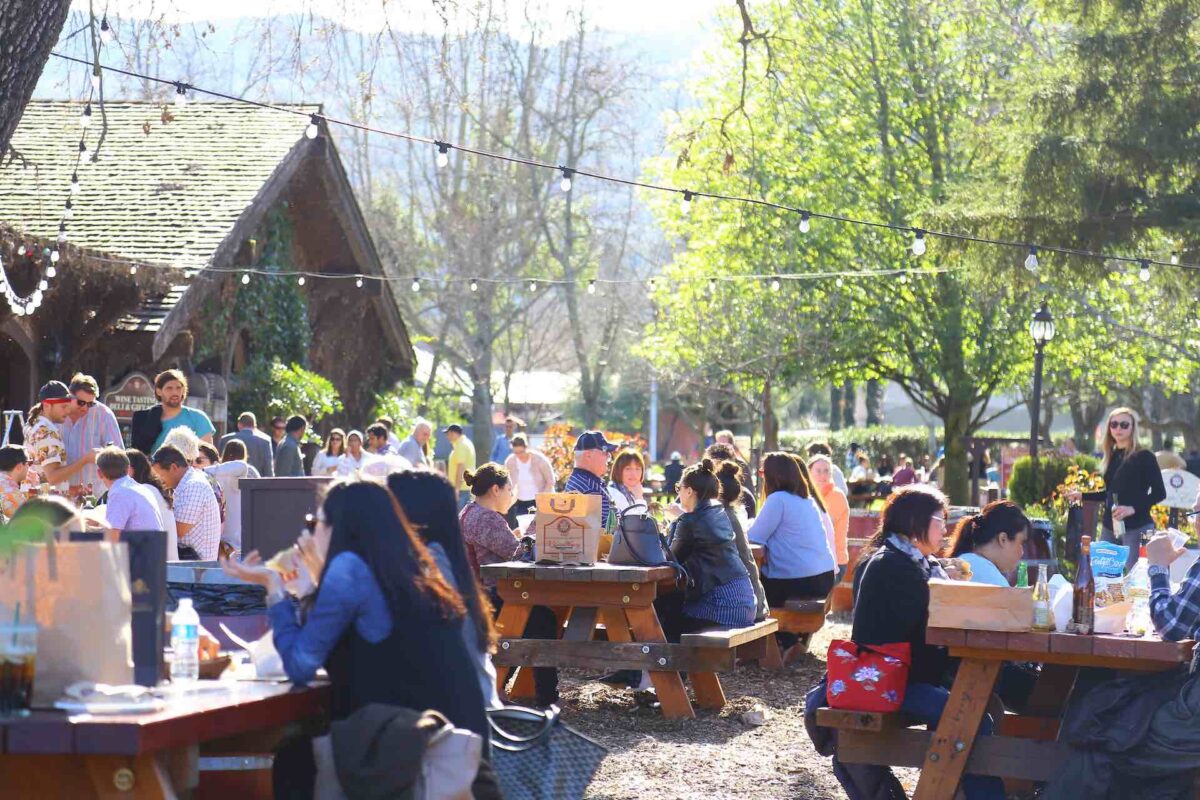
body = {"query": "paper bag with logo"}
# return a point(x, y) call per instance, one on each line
point(568, 528)
point(79, 596)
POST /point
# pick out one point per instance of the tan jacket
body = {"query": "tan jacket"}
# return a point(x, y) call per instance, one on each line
point(543, 471)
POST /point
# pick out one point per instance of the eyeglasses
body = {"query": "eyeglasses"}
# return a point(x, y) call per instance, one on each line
point(938, 518)
point(84, 403)
point(1123, 424)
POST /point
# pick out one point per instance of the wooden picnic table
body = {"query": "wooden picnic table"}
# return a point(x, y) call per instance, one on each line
point(621, 598)
point(1024, 746)
point(151, 756)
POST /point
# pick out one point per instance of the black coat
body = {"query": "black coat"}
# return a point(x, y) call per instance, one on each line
point(145, 428)
point(703, 541)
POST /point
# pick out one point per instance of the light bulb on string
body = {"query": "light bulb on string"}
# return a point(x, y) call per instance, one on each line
point(68, 210)
point(474, 285)
point(106, 34)
point(443, 155)
point(416, 284)
point(565, 183)
point(43, 284)
point(775, 285)
point(85, 118)
point(686, 205)
point(804, 222)
point(358, 283)
point(1031, 260)
point(96, 78)
point(246, 279)
point(313, 127)
point(533, 287)
point(82, 146)
point(74, 183)
point(54, 256)
point(1175, 257)
point(591, 287)
point(35, 299)
point(839, 283)
point(918, 245)
point(712, 285)
point(51, 271)
point(653, 284)
point(21, 250)
point(1144, 272)
point(133, 269)
point(300, 281)
point(180, 95)
point(62, 236)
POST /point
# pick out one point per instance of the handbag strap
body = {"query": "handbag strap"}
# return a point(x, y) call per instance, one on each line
point(517, 744)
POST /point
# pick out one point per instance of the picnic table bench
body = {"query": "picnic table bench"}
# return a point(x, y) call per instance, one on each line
point(620, 601)
point(803, 616)
point(1024, 746)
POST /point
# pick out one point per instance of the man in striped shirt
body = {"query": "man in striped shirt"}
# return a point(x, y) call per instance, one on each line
point(90, 426)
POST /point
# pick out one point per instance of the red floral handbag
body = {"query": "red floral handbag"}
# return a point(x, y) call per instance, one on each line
point(867, 677)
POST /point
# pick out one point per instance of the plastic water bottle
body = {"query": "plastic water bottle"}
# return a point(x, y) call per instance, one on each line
point(185, 642)
point(1137, 590)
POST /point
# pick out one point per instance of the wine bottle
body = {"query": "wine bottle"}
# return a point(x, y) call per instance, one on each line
point(1083, 605)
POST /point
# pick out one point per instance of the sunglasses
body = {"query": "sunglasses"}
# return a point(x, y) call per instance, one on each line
point(84, 403)
point(1120, 423)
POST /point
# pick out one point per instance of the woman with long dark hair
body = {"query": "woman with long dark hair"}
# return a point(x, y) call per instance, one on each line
point(326, 461)
point(427, 502)
point(140, 471)
point(891, 604)
point(384, 623)
point(1132, 483)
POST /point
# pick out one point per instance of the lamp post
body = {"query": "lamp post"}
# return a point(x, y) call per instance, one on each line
point(1041, 328)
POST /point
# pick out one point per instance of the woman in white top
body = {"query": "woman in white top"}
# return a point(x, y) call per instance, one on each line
point(139, 470)
point(355, 457)
point(229, 473)
point(625, 480)
point(531, 474)
point(326, 462)
point(992, 542)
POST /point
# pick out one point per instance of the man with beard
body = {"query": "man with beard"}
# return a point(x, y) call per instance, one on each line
point(171, 389)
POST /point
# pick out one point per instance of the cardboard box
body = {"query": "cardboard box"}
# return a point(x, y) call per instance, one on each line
point(979, 606)
point(568, 528)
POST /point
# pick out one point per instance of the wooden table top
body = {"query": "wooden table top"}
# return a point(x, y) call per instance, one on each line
point(238, 707)
point(601, 572)
point(1063, 648)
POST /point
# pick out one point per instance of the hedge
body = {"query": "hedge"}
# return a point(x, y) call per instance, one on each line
point(1027, 489)
point(913, 441)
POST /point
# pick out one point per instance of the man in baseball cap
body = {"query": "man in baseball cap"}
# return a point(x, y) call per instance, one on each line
point(591, 466)
point(43, 437)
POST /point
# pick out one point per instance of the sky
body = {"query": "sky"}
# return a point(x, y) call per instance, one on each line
point(629, 16)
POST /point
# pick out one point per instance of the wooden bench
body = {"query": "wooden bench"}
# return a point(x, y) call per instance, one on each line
point(752, 643)
point(803, 617)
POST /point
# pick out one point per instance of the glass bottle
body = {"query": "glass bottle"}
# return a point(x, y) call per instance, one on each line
point(1083, 605)
point(1043, 619)
point(1118, 525)
point(1022, 575)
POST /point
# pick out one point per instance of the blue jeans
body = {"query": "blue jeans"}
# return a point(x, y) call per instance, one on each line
point(926, 702)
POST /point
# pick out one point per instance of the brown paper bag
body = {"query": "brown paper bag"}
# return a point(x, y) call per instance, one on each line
point(979, 606)
point(79, 596)
point(568, 528)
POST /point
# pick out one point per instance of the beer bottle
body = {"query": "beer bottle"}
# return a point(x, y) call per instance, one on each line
point(1083, 606)
point(1042, 620)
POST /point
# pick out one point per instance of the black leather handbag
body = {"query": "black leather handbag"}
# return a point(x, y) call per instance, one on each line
point(637, 541)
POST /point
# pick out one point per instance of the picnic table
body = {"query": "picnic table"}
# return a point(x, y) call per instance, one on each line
point(1025, 745)
point(151, 756)
point(621, 599)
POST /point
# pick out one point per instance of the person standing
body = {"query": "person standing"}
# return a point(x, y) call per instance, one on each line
point(43, 437)
point(392, 438)
point(672, 473)
point(532, 473)
point(326, 462)
point(289, 462)
point(228, 474)
point(130, 506)
point(260, 448)
point(1132, 483)
point(171, 388)
point(416, 447)
point(278, 431)
point(14, 466)
point(90, 425)
point(377, 440)
point(355, 457)
point(197, 515)
point(462, 460)
point(502, 447)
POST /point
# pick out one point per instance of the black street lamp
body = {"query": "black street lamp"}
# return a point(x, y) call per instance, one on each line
point(1041, 328)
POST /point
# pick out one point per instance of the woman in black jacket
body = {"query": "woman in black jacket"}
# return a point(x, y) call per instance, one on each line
point(719, 592)
point(891, 604)
point(1132, 483)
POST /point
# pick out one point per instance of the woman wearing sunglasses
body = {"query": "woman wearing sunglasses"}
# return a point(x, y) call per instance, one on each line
point(1132, 483)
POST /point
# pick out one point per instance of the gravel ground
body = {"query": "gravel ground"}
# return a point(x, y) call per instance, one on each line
point(715, 755)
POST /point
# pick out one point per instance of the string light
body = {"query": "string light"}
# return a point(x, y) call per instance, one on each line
point(839, 283)
point(1175, 257)
point(133, 269)
point(21, 250)
point(313, 127)
point(565, 183)
point(82, 146)
point(653, 284)
point(533, 286)
point(712, 285)
point(918, 245)
point(96, 78)
point(416, 284)
point(775, 284)
point(180, 95)
point(43, 284)
point(1031, 260)
point(74, 183)
point(804, 222)
point(54, 256)
point(68, 210)
point(591, 287)
point(443, 156)
point(51, 271)
point(686, 205)
point(85, 118)
point(106, 34)
point(358, 282)
point(245, 279)
point(300, 281)
point(1144, 272)
point(474, 285)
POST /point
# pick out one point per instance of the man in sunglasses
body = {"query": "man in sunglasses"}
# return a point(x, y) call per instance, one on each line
point(90, 426)
point(43, 437)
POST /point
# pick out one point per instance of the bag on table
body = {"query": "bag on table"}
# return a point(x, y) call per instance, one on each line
point(867, 677)
point(536, 756)
point(78, 593)
point(637, 541)
point(568, 528)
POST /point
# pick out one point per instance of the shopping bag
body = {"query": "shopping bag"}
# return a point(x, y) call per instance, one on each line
point(568, 528)
point(536, 756)
point(864, 677)
point(78, 593)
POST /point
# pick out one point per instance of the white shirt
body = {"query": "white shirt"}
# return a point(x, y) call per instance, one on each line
point(839, 479)
point(325, 464)
point(526, 485)
point(229, 475)
point(348, 464)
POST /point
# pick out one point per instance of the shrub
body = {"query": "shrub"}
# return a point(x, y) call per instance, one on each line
point(1027, 489)
point(877, 440)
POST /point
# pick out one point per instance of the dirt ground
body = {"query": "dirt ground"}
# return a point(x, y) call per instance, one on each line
point(715, 755)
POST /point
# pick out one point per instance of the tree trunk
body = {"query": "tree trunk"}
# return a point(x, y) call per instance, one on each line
point(835, 408)
point(770, 423)
point(1085, 416)
point(849, 401)
point(875, 389)
point(28, 31)
point(956, 426)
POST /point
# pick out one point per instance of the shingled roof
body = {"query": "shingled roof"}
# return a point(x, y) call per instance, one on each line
point(162, 192)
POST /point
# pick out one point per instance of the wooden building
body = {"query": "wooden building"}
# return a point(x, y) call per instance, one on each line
point(176, 201)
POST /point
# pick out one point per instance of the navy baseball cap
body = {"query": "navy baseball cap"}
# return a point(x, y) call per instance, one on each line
point(593, 440)
point(455, 428)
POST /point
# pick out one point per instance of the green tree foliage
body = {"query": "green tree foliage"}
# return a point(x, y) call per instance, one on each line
point(405, 404)
point(1028, 487)
point(274, 389)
